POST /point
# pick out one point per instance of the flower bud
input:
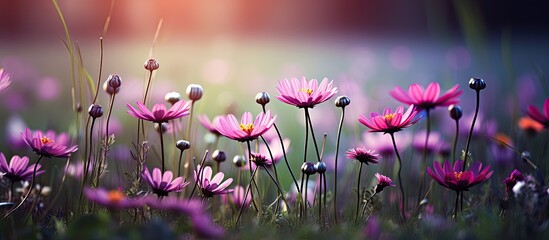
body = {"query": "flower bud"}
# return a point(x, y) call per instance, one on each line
point(239, 161)
point(219, 156)
point(151, 64)
point(172, 97)
point(95, 110)
point(114, 81)
point(342, 101)
point(455, 112)
point(308, 168)
point(183, 145)
point(194, 92)
point(262, 98)
point(320, 167)
point(477, 84)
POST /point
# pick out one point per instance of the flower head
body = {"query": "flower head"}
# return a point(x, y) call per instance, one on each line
point(114, 199)
point(435, 143)
point(246, 130)
point(48, 144)
point(390, 122)
point(305, 94)
point(237, 197)
point(510, 181)
point(542, 118)
point(209, 125)
point(382, 182)
point(427, 98)
point(159, 114)
point(4, 80)
point(162, 184)
point(363, 155)
point(211, 186)
point(18, 168)
point(456, 179)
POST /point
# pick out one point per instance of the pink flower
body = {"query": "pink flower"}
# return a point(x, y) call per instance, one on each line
point(49, 144)
point(4, 80)
point(363, 155)
point(390, 122)
point(428, 98)
point(457, 180)
point(237, 197)
point(382, 182)
point(113, 199)
point(159, 113)
point(510, 181)
point(209, 125)
point(305, 94)
point(162, 184)
point(211, 186)
point(542, 118)
point(246, 130)
point(18, 168)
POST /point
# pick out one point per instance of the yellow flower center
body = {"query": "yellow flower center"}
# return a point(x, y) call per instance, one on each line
point(307, 90)
point(248, 128)
point(389, 117)
point(115, 196)
point(46, 140)
point(458, 175)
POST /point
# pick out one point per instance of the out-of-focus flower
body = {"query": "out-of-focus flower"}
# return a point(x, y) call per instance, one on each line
point(247, 130)
point(205, 228)
point(4, 80)
point(237, 197)
point(384, 145)
point(305, 94)
point(530, 125)
point(500, 151)
point(75, 170)
point(211, 186)
point(542, 118)
point(18, 169)
point(363, 155)
point(390, 122)
point(206, 123)
point(113, 199)
point(510, 181)
point(428, 98)
point(456, 179)
point(49, 144)
point(174, 204)
point(159, 114)
point(162, 184)
point(435, 144)
point(14, 127)
point(382, 182)
point(372, 229)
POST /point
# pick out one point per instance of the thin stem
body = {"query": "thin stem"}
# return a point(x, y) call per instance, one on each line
point(179, 165)
point(456, 205)
point(301, 195)
point(358, 192)
point(188, 137)
point(335, 161)
point(252, 180)
point(85, 175)
point(320, 219)
point(455, 142)
point(277, 186)
point(144, 103)
point(199, 173)
point(366, 204)
point(248, 190)
point(424, 159)
point(308, 116)
point(273, 164)
point(400, 178)
point(161, 132)
point(28, 192)
point(471, 131)
point(306, 200)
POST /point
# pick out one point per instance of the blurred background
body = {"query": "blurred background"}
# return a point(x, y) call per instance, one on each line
point(236, 48)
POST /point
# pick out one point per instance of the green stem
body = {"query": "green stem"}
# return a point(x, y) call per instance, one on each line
point(358, 192)
point(471, 131)
point(403, 203)
point(336, 156)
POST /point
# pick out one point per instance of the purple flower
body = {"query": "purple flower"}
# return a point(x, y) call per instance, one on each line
point(49, 144)
point(428, 98)
point(542, 118)
point(113, 199)
point(456, 179)
point(383, 144)
point(211, 186)
point(382, 182)
point(390, 122)
point(510, 181)
point(159, 114)
point(209, 125)
point(4, 79)
point(18, 168)
point(435, 144)
point(162, 184)
point(173, 204)
point(247, 129)
point(75, 170)
point(237, 197)
point(305, 94)
point(363, 155)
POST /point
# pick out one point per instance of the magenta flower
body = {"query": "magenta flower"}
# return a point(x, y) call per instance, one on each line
point(4, 80)
point(363, 155)
point(237, 197)
point(510, 181)
point(246, 130)
point(390, 122)
point(209, 125)
point(382, 182)
point(159, 114)
point(18, 168)
point(162, 184)
point(428, 98)
point(49, 144)
point(113, 199)
point(211, 186)
point(173, 204)
point(542, 118)
point(457, 180)
point(305, 94)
